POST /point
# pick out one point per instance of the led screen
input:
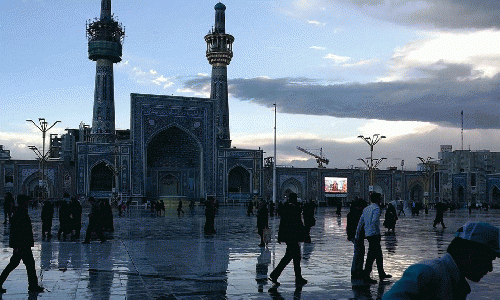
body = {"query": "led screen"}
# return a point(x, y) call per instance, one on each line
point(335, 185)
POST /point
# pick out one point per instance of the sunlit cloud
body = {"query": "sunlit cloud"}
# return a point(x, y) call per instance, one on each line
point(361, 63)
point(392, 129)
point(478, 49)
point(146, 77)
point(336, 58)
point(317, 48)
point(317, 23)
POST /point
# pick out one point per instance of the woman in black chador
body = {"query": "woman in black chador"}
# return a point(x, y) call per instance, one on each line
point(391, 217)
point(209, 216)
point(309, 219)
point(291, 231)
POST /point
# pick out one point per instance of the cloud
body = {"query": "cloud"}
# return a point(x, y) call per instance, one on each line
point(317, 23)
point(361, 63)
point(437, 98)
point(150, 77)
point(445, 14)
point(337, 58)
point(478, 49)
point(317, 48)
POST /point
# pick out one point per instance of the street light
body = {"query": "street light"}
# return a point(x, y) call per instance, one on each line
point(369, 161)
point(275, 160)
point(42, 156)
point(428, 174)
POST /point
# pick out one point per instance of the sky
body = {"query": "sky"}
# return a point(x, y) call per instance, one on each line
point(335, 69)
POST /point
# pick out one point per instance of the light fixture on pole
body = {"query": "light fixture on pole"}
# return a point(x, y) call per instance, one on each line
point(42, 156)
point(428, 174)
point(370, 162)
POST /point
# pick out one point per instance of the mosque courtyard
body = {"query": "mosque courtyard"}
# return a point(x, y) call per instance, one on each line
point(169, 257)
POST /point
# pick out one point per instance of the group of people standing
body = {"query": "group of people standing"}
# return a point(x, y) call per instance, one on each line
point(70, 218)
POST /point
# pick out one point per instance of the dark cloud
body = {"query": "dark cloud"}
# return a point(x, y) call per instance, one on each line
point(450, 14)
point(437, 97)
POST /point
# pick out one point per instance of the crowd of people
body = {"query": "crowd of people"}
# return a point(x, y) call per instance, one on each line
point(469, 255)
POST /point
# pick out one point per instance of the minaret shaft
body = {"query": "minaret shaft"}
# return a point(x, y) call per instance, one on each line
point(219, 54)
point(219, 91)
point(103, 122)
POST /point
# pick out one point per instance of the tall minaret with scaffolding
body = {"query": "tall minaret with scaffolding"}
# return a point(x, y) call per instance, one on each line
point(105, 37)
point(219, 54)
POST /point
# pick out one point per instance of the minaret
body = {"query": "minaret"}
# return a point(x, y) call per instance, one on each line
point(105, 36)
point(219, 54)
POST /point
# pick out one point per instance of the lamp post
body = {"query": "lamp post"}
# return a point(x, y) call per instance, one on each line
point(428, 174)
point(371, 162)
point(42, 156)
point(274, 163)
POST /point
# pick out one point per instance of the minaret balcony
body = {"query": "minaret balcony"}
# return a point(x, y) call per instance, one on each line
point(105, 50)
point(219, 57)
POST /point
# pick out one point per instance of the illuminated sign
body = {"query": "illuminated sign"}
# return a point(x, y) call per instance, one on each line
point(336, 185)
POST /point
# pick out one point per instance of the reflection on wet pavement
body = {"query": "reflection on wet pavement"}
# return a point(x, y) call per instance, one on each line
point(149, 257)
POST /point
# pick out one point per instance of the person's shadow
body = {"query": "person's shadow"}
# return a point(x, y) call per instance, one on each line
point(363, 291)
point(391, 242)
point(275, 294)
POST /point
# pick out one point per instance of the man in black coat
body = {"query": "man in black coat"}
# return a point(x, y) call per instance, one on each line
point(21, 240)
point(291, 231)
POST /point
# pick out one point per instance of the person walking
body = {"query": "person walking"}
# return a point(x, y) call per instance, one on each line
point(262, 221)
point(370, 224)
point(179, 208)
point(95, 224)
point(401, 208)
point(440, 209)
point(250, 208)
point(8, 203)
point(358, 258)
point(47, 216)
point(469, 255)
point(391, 217)
point(309, 219)
point(21, 240)
point(291, 232)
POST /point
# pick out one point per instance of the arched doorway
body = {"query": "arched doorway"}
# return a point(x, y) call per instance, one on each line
point(169, 186)
point(495, 196)
point(291, 185)
point(416, 194)
point(238, 180)
point(102, 178)
point(174, 165)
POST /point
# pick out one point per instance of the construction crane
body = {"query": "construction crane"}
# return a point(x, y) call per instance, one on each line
point(320, 159)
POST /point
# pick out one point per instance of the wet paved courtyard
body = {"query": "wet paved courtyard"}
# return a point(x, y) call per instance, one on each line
point(169, 257)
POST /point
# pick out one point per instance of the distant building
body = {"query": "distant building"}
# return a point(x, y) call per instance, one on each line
point(468, 176)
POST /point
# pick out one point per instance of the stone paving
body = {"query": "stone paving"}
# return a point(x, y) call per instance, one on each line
point(169, 257)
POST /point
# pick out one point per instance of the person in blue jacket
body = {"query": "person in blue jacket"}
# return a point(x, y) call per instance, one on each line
point(470, 255)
